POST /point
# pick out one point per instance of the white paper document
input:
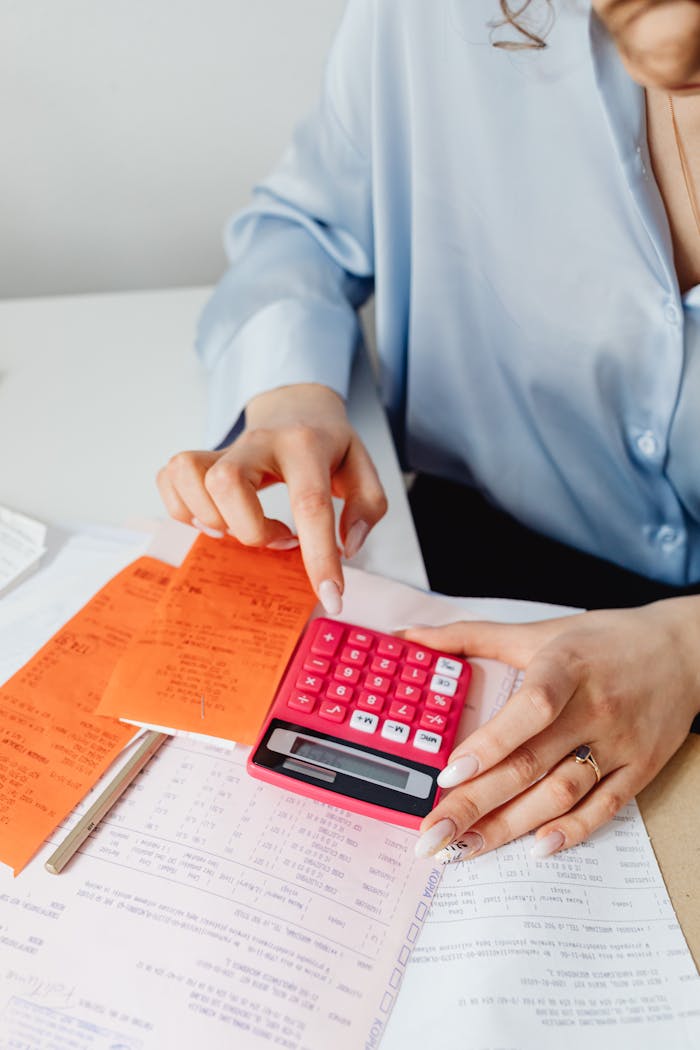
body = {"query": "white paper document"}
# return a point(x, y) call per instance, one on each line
point(22, 543)
point(213, 910)
point(581, 949)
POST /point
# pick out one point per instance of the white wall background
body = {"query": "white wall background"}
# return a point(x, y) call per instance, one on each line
point(130, 130)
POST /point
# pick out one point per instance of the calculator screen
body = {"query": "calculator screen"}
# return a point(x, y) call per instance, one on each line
point(346, 762)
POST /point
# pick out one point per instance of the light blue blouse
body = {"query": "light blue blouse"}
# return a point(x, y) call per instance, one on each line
point(502, 208)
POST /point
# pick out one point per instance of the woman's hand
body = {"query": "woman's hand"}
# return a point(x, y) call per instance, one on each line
point(299, 435)
point(625, 682)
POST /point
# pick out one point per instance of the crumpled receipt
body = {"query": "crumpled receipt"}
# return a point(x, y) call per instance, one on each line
point(22, 543)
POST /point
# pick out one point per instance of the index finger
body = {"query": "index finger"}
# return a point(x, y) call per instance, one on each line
point(308, 477)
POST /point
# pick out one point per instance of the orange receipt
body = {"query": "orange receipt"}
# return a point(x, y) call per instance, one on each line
point(218, 642)
point(53, 746)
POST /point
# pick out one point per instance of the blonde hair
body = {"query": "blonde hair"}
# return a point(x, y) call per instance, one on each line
point(530, 34)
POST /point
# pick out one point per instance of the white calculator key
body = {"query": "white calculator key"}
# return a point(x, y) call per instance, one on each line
point(427, 741)
point(440, 684)
point(452, 668)
point(364, 721)
point(396, 731)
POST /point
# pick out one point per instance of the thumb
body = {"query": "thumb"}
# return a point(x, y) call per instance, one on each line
point(512, 643)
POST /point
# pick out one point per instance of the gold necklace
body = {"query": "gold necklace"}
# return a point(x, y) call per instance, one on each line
point(685, 167)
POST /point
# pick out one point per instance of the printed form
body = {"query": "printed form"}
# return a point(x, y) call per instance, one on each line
point(214, 908)
point(210, 908)
point(523, 953)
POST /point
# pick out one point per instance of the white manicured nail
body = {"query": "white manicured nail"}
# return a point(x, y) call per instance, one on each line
point(435, 838)
point(329, 597)
point(458, 771)
point(215, 534)
point(548, 845)
point(355, 538)
point(467, 846)
point(288, 544)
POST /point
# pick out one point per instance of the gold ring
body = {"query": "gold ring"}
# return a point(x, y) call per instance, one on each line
point(583, 754)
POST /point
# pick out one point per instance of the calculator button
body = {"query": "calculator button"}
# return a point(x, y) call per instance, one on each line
point(362, 639)
point(396, 731)
point(383, 665)
point(301, 702)
point(427, 741)
point(309, 683)
point(333, 712)
point(356, 657)
point(452, 668)
point(407, 692)
point(364, 721)
point(370, 701)
point(440, 684)
point(377, 683)
point(389, 647)
point(433, 720)
point(414, 675)
point(317, 665)
point(339, 691)
point(438, 702)
point(403, 711)
point(347, 674)
point(326, 640)
point(419, 657)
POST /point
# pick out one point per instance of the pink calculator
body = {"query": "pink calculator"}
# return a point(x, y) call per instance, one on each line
point(363, 720)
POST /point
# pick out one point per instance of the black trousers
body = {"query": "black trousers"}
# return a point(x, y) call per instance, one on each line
point(472, 548)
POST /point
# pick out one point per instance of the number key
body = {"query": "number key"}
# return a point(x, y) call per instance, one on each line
point(419, 657)
point(347, 674)
point(377, 683)
point(356, 657)
point(382, 665)
point(414, 675)
point(407, 692)
point(401, 711)
point(339, 691)
point(370, 701)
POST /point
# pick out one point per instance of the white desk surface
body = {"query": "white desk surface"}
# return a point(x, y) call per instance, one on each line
point(96, 392)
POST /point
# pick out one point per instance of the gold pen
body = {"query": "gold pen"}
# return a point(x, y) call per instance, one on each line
point(101, 807)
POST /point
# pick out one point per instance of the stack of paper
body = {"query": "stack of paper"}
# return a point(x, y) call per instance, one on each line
point(22, 543)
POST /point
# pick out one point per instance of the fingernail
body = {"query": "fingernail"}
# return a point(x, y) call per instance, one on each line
point(435, 838)
point(329, 597)
point(458, 771)
point(288, 544)
point(467, 846)
point(355, 538)
point(547, 845)
point(215, 534)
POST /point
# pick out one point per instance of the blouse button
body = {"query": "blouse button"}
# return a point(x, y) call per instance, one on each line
point(647, 444)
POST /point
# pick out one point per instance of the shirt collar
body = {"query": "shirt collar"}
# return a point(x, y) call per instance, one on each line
point(623, 98)
point(624, 104)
